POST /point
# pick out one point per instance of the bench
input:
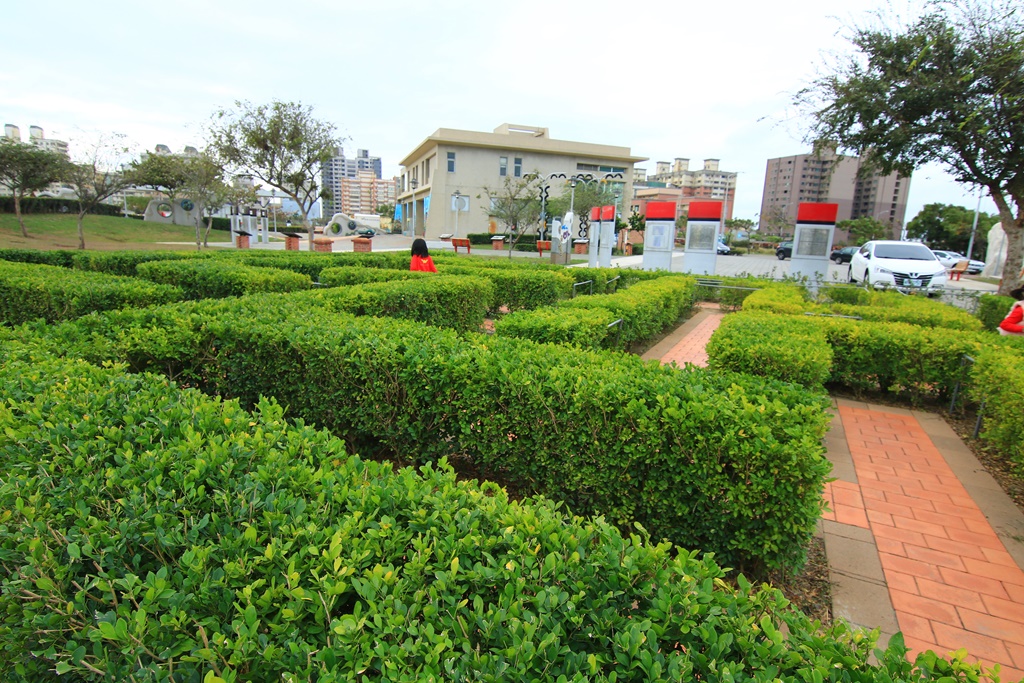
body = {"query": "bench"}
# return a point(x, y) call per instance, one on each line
point(958, 269)
point(542, 246)
point(460, 242)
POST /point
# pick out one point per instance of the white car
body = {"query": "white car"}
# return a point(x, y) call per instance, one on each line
point(951, 258)
point(906, 266)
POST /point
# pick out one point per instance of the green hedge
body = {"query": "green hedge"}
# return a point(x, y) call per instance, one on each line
point(57, 205)
point(150, 533)
point(771, 345)
point(51, 258)
point(125, 262)
point(997, 380)
point(583, 328)
point(519, 289)
point(709, 461)
point(210, 279)
point(731, 292)
point(992, 308)
point(342, 277)
point(29, 291)
point(647, 308)
point(853, 301)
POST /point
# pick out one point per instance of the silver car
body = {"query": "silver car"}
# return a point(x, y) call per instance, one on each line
point(951, 258)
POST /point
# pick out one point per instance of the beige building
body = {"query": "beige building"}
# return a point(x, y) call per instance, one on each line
point(362, 194)
point(831, 178)
point(709, 183)
point(468, 162)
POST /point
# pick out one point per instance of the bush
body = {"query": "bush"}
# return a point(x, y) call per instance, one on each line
point(520, 289)
point(59, 258)
point(992, 308)
point(583, 328)
point(341, 277)
point(125, 262)
point(182, 537)
point(57, 205)
point(31, 291)
point(201, 279)
point(707, 462)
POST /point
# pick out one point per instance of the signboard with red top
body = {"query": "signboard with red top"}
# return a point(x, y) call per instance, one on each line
point(659, 235)
point(703, 228)
point(812, 240)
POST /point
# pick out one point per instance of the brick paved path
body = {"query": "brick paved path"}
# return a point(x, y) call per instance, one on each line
point(910, 547)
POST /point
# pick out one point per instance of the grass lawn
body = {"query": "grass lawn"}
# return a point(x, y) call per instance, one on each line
point(106, 233)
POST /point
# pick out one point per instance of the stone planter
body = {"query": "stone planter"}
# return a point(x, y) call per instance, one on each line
point(323, 244)
point(291, 243)
point(242, 241)
point(580, 246)
point(362, 244)
point(498, 243)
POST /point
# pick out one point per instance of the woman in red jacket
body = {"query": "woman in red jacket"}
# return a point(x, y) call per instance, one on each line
point(1011, 324)
point(421, 257)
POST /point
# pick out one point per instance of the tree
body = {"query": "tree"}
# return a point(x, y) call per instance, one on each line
point(588, 194)
point(281, 144)
point(26, 169)
point(947, 89)
point(163, 172)
point(865, 229)
point(944, 226)
point(97, 177)
point(517, 205)
point(386, 210)
point(637, 222)
point(203, 183)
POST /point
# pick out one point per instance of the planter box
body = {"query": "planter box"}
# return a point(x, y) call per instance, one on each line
point(242, 241)
point(323, 244)
point(291, 243)
point(580, 246)
point(362, 244)
point(498, 243)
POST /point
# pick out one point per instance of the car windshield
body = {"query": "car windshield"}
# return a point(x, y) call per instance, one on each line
point(910, 252)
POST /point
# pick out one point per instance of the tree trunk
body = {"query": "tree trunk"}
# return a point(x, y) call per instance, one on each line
point(1014, 229)
point(206, 235)
point(17, 212)
point(199, 225)
point(81, 231)
point(311, 230)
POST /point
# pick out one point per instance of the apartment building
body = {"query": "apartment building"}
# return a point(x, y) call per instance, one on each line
point(451, 165)
point(36, 137)
point(833, 178)
point(708, 183)
point(353, 183)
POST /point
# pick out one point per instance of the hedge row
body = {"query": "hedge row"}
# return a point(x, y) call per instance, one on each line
point(520, 289)
point(992, 308)
point(207, 279)
point(57, 205)
point(312, 263)
point(56, 257)
point(582, 328)
point(343, 277)
point(858, 302)
point(29, 291)
point(724, 463)
point(646, 308)
point(125, 262)
point(150, 533)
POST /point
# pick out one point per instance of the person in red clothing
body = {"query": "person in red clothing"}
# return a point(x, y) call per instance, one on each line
point(1012, 323)
point(421, 257)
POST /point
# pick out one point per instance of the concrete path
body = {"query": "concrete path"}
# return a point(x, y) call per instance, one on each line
point(919, 538)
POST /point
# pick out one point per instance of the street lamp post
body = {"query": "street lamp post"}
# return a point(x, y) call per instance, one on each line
point(413, 183)
point(457, 203)
point(273, 194)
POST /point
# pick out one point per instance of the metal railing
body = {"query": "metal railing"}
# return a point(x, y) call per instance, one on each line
point(580, 284)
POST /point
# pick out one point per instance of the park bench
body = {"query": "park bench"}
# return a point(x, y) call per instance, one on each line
point(542, 246)
point(958, 269)
point(460, 242)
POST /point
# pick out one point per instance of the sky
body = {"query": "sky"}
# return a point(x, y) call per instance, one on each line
point(664, 78)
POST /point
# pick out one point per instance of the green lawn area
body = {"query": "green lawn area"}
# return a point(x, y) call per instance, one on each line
point(60, 231)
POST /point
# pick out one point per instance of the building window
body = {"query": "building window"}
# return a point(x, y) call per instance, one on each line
point(503, 166)
point(451, 162)
point(517, 168)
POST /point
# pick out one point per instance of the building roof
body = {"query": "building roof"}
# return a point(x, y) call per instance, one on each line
point(526, 138)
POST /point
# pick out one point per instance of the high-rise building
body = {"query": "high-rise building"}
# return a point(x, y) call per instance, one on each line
point(339, 169)
point(832, 178)
point(707, 183)
point(37, 138)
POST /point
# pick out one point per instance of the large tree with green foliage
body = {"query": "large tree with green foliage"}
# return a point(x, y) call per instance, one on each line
point(203, 182)
point(281, 144)
point(865, 229)
point(948, 89)
point(25, 169)
point(944, 226)
point(163, 172)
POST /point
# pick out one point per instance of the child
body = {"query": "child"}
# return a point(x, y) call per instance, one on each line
point(1011, 324)
point(421, 257)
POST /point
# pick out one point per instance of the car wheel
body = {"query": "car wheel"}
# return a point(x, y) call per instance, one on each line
point(782, 256)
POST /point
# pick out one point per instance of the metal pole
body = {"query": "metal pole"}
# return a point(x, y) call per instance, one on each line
point(974, 226)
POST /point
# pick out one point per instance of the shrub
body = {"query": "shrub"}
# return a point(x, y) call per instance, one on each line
point(183, 538)
point(30, 291)
point(200, 278)
point(518, 288)
point(50, 258)
point(341, 277)
point(125, 262)
point(992, 308)
point(997, 380)
point(584, 328)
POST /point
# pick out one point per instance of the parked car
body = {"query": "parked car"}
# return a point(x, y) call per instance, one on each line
point(365, 232)
point(844, 255)
point(723, 248)
point(784, 251)
point(901, 265)
point(951, 258)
